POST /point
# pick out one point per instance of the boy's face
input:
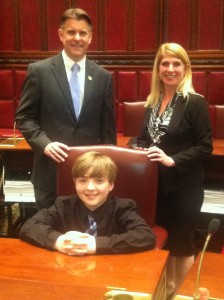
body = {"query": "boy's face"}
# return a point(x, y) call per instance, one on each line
point(93, 191)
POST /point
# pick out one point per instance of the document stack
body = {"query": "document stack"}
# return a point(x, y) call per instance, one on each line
point(213, 201)
point(18, 191)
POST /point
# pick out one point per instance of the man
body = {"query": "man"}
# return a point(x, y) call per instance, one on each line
point(46, 115)
point(91, 222)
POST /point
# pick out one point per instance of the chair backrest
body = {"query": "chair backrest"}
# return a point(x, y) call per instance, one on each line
point(217, 120)
point(133, 113)
point(219, 126)
point(137, 176)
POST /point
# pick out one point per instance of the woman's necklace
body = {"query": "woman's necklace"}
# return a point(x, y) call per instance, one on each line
point(164, 106)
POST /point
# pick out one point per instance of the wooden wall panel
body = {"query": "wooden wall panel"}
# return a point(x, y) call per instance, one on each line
point(147, 29)
point(210, 24)
point(115, 25)
point(125, 32)
point(177, 22)
point(54, 12)
point(7, 42)
point(30, 25)
point(92, 9)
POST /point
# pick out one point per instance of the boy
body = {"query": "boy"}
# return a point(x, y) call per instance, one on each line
point(116, 226)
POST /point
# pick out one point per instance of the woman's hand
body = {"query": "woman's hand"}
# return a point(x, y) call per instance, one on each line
point(156, 154)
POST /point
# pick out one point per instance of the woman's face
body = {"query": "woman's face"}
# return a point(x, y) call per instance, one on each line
point(171, 71)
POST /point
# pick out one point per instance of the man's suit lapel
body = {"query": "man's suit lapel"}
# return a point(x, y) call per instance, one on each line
point(58, 69)
point(89, 79)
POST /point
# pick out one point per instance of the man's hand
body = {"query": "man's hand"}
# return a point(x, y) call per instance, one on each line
point(56, 151)
point(76, 243)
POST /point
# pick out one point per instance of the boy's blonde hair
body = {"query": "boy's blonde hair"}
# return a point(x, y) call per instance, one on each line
point(100, 165)
point(157, 87)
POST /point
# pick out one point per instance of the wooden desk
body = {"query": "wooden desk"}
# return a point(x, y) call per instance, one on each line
point(22, 145)
point(212, 274)
point(29, 272)
point(218, 145)
point(18, 157)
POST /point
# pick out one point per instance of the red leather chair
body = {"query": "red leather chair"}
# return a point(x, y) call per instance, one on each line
point(217, 119)
point(133, 113)
point(137, 179)
point(219, 126)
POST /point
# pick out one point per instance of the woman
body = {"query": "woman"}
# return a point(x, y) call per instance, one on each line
point(177, 134)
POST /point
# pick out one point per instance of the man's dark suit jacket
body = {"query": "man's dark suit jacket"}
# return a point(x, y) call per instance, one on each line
point(188, 140)
point(46, 113)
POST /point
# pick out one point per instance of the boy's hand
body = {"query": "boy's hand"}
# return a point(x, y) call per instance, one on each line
point(203, 293)
point(60, 243)
point(76, 243)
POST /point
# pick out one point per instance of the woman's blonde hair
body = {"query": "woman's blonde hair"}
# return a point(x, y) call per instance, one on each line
point(157, 87)
point(99, 164)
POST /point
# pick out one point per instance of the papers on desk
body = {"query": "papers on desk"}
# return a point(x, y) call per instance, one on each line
point(213, 202)
point(18, 191)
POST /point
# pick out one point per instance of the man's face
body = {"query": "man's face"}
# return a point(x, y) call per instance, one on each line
point(93, 191)
point(75, 37)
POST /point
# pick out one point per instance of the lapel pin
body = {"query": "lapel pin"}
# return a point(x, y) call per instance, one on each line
point(90, 77)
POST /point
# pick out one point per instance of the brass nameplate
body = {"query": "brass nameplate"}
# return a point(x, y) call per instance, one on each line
point(11, 141)
point(119, 294)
